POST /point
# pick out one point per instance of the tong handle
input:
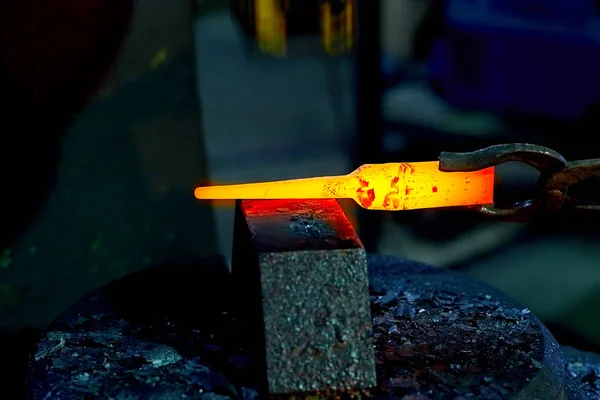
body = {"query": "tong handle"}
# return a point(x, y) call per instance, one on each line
point(557, 175)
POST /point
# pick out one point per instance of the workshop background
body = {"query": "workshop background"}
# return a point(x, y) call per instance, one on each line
point(122, 200)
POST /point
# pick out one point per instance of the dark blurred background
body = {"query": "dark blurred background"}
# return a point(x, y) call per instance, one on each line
point(113, 112)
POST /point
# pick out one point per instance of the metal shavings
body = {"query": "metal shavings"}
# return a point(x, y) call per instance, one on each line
point(584, 369)
point(435, 339)
point(55, 341)
point(308, 226)
point(131, 367)
point(97, 352)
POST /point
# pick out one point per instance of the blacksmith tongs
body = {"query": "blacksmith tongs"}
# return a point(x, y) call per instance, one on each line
point(552, 187)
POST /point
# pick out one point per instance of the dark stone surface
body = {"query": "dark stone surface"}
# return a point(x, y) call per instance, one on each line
point(310, 289)
point(175, 332)
point(583, 374)
point(163, 333)
point(443, 335)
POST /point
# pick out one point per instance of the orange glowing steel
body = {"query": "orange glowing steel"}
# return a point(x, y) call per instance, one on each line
point(393, 186)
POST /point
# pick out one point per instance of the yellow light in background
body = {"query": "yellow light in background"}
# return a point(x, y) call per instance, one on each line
point(337, 31)
point(349, 24)
point(392, 187)
point(270, 27)
point(326, 28)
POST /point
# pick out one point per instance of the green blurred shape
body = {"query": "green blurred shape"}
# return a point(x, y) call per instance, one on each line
point(8, 296)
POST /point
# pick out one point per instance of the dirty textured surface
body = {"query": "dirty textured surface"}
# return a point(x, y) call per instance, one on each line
point(279, 226)
point(444, 335)
point(158, 334)
point(583, 369)
point(307, 277)
point(138, 337)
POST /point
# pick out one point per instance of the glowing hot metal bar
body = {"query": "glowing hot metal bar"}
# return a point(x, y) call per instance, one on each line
point(393, 186)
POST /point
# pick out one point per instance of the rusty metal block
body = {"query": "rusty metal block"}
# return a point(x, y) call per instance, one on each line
point(304, 271)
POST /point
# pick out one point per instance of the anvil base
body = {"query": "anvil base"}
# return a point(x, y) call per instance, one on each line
point(174, 333)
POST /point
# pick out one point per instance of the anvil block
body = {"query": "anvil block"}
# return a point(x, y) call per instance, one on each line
point(303, 272)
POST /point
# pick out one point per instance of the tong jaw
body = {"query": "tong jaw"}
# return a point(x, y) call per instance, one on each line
point(557, 175)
